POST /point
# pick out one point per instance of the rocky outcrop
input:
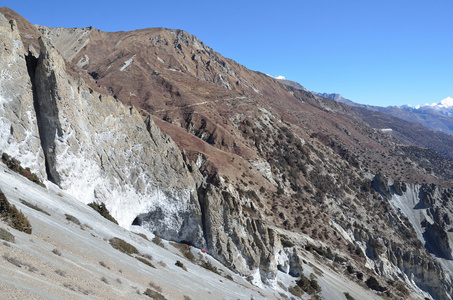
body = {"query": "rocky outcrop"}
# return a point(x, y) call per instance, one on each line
point(235, 233)
point(68, 41)
point(19, 135)
point(427, 208)
point(94, 147)
point(102, 151)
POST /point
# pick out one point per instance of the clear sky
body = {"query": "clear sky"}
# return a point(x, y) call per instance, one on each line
point(373, 52)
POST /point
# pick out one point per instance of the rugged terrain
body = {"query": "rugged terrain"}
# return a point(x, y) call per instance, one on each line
point(270, 179)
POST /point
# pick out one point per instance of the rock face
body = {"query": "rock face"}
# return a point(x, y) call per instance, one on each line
point(95, 148)
point(19, 135)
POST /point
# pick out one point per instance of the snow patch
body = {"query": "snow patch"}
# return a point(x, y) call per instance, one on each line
point(127, 63)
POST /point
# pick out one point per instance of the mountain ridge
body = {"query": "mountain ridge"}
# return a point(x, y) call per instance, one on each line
point(273, 175)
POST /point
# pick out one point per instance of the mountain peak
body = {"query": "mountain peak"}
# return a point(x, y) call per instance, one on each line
point(445, 103)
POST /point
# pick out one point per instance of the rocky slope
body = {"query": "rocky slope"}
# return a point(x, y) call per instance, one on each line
point(264, 176)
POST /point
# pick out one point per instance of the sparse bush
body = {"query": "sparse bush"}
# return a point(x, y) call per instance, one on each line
point(86, 226)
point(119, 280)
point(73, 219)
point(157, 240)
point(296, 291)
point(282, 286)
point(60, 272)
point(142, 235)
point(181, 265)
point(155, 286)
point(348, 296)
point(13, 260)
point(12, 216)
point(154, 294)
point(103, 211)
point(147, 256)
point(56, 252)
point(401, 288)
point(208, 266)
point(309, 286)
point(14, 165)
point(103, 264)
point(6, 235)
point(229, 277)
point(19, 263)
point(162, 263)
point(373, 284)
point(123, 246)
point(103, 279)
point(185, 250)
point(35, 207)
point(145, 261)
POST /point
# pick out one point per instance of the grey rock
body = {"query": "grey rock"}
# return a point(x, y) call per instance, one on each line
point(19, 136)
point(101, 151)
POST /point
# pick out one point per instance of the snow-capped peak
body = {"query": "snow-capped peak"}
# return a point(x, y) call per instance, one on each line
point(445, 103)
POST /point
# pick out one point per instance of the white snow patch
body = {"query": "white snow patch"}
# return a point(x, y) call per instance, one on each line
point(445, 103)
point(127, 63)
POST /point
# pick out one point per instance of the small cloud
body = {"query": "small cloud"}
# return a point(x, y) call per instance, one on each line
point(280, 77)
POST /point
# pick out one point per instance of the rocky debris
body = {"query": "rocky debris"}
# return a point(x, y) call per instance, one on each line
point(380, 184)
point(399, 188)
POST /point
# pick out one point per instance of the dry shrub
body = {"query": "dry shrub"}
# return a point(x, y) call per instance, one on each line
point(33, 206)
point(73, 219)
point(181, 265)
point(123, 246)
point(162, 263)
point(154, 295)
point(145, 261)
point(155, 286)
point(6, 235)
point(12, 216)
point(103, 211)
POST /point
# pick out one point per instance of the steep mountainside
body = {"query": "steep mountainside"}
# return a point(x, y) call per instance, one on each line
point(189, 145)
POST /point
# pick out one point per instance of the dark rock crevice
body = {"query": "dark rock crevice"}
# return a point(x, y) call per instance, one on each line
point(44, 102)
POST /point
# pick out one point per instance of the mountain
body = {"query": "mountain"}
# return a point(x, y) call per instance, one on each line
point(444, 107)
point(436, 116)
point(292, 191)
point(337, 97)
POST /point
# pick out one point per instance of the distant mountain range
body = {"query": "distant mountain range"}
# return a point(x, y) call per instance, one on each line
point(436, 116)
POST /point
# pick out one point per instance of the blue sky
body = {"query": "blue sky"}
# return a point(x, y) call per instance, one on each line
point(372, 52)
